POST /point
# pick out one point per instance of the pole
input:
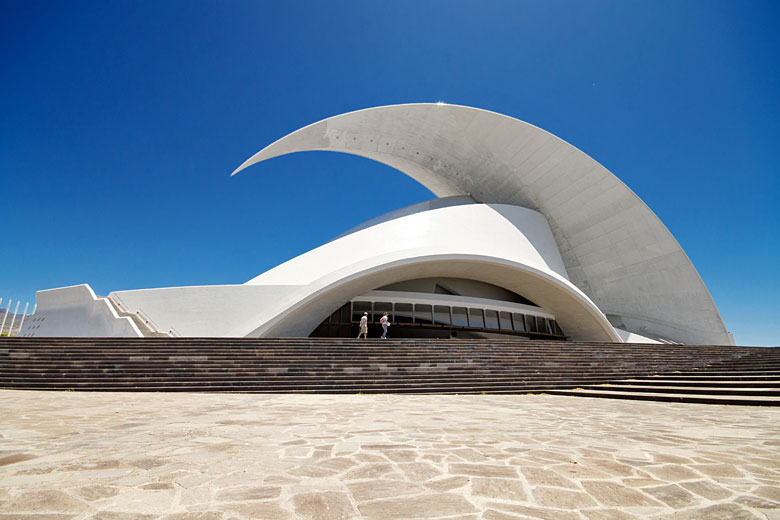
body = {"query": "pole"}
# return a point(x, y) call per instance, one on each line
point(6, 315)
point(13, 318)
point(24, 315)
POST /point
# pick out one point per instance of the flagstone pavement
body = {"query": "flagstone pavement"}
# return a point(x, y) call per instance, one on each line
point(178, 456)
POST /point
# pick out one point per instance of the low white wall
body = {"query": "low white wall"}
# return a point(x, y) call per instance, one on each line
point(630, 337)
point(76, 311)
point(209, 310)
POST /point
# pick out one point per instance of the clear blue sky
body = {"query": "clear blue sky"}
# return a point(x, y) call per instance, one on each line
point(120, 123)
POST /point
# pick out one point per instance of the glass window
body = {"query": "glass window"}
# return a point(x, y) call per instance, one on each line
point(476, 319)
point(530, 322)
point(505, 320)
point(541, 325)
point(460, 317)
point(491, 319)
point(358, 308)
point(441, 315)
point(557, 328)
point(403, 313)
point(345, 314)
point(422, 313)
point(383, 307)
point(334, 318)
point(518, 322)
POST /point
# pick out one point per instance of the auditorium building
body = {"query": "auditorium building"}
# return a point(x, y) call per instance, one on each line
point(528, 237)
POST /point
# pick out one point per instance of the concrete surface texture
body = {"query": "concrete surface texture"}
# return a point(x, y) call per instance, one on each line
point(174, 456)
point(614, 247)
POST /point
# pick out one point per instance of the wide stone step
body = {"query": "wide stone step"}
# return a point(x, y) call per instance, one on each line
point(670, 397)
point(769, 371)
point(759, 376)
point(582, 356)
point(709, 390)
point(725, 382)
point(351, 385)
point(728, 362)
point(285, 374)
point(325, 362)
point(330, 378)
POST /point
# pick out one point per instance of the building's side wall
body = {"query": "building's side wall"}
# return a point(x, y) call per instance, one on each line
point(76, 312)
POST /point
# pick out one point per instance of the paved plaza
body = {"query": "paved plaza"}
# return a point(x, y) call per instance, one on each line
point(72, 455)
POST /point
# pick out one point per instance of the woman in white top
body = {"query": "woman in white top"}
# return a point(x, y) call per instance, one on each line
point(385, 321)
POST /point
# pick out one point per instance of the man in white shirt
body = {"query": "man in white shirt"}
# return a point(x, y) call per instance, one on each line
point(363, 326)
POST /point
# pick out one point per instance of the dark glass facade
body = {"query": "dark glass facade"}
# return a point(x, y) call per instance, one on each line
point(425, 320)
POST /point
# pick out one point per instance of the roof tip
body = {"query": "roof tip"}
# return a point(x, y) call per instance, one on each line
point(246, 164)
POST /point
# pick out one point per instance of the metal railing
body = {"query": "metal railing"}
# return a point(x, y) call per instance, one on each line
point(142, 316)
point(11, 331)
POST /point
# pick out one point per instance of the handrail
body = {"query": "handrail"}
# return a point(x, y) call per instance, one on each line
point(148, 321)
point(119, 303)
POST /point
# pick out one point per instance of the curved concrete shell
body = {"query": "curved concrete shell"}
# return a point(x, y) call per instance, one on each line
point(518, 254)
point(614, 248)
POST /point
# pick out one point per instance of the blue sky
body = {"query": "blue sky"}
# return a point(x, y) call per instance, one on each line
point(120, 123)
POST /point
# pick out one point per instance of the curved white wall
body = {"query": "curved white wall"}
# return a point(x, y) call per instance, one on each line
point(490, 230)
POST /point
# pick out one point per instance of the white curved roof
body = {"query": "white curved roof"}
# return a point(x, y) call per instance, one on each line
point(613, 246)
point(448, 241)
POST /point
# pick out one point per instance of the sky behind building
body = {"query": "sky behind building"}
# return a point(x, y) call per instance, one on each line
point(121, 122)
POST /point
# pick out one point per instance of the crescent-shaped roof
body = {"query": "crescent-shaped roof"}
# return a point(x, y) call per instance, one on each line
point(614, 247)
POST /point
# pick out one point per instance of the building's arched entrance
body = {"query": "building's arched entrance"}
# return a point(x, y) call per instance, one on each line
point(443, 308)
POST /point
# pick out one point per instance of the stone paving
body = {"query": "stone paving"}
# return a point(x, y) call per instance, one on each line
point(71, 455)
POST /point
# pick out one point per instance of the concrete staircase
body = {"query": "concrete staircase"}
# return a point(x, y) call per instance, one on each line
point(702, 374)
point(752, 379)
point(145, 325)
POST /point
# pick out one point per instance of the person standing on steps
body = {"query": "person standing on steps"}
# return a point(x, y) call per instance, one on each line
point(385, 321)
point(363, 326)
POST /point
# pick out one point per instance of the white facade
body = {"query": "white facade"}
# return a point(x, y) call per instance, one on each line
point(522, 210)
point(76, 312)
